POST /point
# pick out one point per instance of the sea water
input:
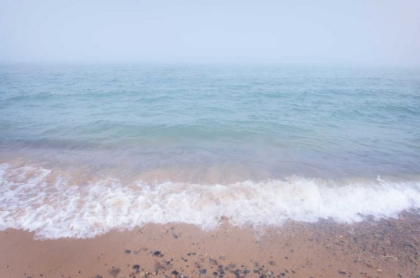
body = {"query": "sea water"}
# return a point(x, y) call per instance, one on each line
point(85, 149)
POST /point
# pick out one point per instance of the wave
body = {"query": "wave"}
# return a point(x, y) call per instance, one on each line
point(55, 204)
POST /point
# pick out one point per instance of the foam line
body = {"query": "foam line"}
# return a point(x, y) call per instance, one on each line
point(36, 199)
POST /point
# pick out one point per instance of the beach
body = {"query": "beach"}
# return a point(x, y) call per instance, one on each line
point(386, 248)
point(208, 171)
point(198, 139)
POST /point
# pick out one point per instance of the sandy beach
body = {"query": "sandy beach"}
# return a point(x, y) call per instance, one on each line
point(385, 248)
point(209, 139)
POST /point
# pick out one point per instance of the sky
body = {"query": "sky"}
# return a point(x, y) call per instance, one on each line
point(370, 32)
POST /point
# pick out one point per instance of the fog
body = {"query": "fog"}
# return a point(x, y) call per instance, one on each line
point(240, 31)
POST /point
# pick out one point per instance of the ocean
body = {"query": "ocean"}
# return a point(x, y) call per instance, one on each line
point(85, 149)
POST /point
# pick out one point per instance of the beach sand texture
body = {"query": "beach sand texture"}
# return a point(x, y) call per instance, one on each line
point(387, 248)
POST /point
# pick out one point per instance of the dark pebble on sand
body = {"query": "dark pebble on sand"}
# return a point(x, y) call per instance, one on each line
point(136, 266)
point(174, 272)
point(127, 251)
point(203, 271)
point(215, 273)
point(157, 253)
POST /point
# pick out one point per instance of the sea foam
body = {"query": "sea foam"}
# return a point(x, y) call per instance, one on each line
point(48, 203)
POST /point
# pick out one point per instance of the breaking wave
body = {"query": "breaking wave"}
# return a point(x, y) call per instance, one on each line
point(55, 205)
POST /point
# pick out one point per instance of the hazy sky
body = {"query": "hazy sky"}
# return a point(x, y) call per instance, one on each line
point(378, 32)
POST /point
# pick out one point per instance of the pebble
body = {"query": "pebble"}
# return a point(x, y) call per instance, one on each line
point(127, 251)
point(157, 254)
point(220, 269)
point(203, 271)
point(114, 272)
point(136, 266)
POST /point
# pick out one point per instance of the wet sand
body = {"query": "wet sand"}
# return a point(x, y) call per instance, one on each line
point(385, 248)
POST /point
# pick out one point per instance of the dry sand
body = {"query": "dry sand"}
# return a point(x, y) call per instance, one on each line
point(386, 248)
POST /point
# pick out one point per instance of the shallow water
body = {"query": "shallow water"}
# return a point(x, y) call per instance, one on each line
point(258, 145)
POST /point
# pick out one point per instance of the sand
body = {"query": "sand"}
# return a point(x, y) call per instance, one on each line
point(385, 248)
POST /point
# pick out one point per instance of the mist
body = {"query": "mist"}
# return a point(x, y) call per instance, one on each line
point(163, 31)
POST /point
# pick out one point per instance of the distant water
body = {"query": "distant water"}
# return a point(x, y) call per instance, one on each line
point(87, 149)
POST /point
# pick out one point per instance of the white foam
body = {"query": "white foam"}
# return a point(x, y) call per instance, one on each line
point(36, 199)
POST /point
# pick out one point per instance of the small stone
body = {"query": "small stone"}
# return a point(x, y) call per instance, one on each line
point(6, 266)
point(203, 271)
point(136, 266)
point(342, 272)
point(379, 270)
point(127, 251)
point(212, 261)
point(220, 269)
point(157, 254)
point(114, 272)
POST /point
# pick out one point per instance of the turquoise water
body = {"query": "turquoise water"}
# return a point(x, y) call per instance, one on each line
point(305, 121)
point(210, 126)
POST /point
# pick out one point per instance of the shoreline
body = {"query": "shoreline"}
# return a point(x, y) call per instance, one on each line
point(384, 248)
